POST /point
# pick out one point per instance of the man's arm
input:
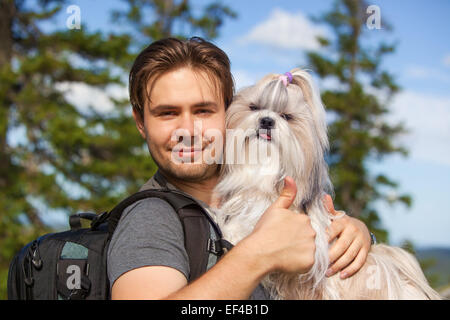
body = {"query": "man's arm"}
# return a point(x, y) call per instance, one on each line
point(235, 276)
point(150, 283)
point(281, 241)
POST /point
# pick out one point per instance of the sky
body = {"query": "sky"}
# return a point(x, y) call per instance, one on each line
point(272, 35)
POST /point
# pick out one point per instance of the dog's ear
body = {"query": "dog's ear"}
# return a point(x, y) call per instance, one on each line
point(319, 172)
point(311, 95)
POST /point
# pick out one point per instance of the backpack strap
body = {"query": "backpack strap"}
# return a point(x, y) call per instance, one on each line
point(196, 239)
point(194, 219)
point(115, 214)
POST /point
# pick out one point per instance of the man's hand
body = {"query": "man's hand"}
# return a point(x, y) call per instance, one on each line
point(284, 237)
point(282, 240)
point(352, 245)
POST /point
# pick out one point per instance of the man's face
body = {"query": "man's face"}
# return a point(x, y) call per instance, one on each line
point(184, 108)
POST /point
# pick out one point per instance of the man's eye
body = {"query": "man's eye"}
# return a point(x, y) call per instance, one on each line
point(253, 107)
point(286, 116)
point(204, 111)
point(167, 113)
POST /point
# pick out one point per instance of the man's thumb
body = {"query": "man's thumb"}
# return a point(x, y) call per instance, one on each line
point(287, 195)
point(328, 203)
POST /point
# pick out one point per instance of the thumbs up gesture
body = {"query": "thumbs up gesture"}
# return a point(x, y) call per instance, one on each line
point(285, 238)
point(287, 195)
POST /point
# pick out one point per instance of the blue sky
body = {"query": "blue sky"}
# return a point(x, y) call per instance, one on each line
point(271, 36)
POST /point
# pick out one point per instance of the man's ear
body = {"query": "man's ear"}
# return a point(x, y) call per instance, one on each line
point(139, 122)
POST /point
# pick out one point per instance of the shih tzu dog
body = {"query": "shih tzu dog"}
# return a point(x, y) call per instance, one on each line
point(278, 129)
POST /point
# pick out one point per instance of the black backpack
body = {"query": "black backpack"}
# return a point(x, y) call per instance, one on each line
point(71, 265)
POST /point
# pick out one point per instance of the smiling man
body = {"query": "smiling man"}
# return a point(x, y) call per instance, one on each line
point(174, 86)
point(179, 99)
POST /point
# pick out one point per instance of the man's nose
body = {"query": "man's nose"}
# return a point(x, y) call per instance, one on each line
point(187, 123)
point(267, 123)
point(190, 130)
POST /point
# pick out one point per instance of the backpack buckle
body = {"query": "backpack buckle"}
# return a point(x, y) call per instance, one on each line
point(212, 247)
point(99, 219)
point(219, 247)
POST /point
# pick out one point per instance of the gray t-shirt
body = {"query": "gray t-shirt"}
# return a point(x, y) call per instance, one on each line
point(150, 233)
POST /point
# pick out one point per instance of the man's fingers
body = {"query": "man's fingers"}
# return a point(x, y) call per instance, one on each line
point(345, 259)
point(335, 229)
point(355, 265)
point(328, 203)
point(340, 246)
point(287, 195)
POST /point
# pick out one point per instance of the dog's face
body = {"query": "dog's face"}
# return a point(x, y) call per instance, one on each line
point(290, 122)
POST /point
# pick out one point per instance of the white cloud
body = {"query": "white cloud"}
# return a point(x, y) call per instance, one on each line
point(428, 119)
point(330, 83)
point(286, 30)
point(426, 73)
point(82, 95)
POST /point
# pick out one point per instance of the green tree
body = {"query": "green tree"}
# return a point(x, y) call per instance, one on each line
point(155, 19)
point(358, 130)
point(55, 155)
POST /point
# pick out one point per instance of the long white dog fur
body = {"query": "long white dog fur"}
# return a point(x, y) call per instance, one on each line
point(295, 145)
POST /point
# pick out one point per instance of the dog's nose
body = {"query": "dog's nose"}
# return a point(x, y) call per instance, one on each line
point(267, 123)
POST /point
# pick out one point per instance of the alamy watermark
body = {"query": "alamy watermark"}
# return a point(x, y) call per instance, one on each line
point(373, 281)
point(374, 19)
point(73, 21)
point(74, 280)
point(250, 146)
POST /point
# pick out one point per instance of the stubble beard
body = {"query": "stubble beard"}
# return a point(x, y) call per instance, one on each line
point(189, 172)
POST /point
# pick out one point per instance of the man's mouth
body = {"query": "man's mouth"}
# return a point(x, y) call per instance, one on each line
point(187, 151)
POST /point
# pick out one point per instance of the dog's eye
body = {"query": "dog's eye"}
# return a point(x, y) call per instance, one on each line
point(286, 116)
point(253, 107)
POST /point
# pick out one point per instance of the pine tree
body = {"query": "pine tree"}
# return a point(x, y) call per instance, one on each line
point(172, 18)
point(55, 155)
point(358, 129)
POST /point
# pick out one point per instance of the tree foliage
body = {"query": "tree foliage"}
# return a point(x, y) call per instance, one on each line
point(155, 19)
point(358, 110)
point(54, 155)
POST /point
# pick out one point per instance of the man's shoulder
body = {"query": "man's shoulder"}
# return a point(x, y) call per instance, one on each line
point(154, 203)
point(149, 233)
point(149, 209)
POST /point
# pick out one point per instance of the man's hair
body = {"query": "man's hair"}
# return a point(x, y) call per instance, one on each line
point(169, 54)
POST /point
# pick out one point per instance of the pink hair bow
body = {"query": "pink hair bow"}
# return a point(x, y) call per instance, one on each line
point(286, 78)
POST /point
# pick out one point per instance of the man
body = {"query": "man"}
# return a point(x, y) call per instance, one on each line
point(174, 84)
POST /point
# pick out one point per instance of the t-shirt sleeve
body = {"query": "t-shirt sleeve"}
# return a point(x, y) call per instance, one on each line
point(149, 233)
